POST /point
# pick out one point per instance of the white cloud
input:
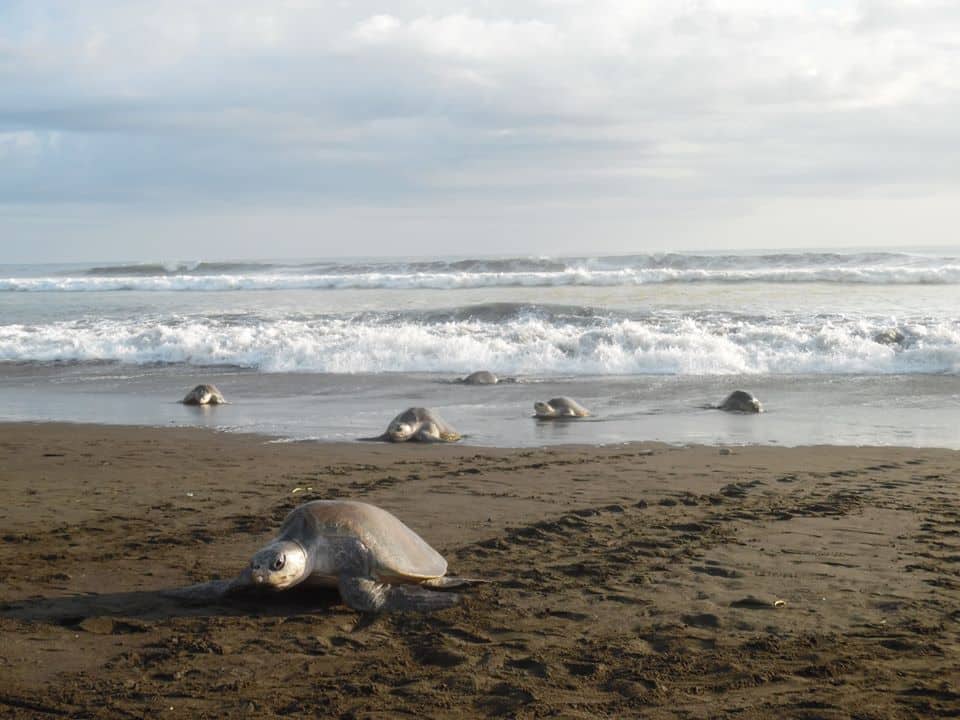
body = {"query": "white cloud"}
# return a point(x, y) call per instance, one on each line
point(26, 144)
point(463, 36)
point(377, 29)
point(532, 102)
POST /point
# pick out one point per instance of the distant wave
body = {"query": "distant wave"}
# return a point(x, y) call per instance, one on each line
point(174, 268)
point(946, 275)
point(506, 338)
point(610, 271)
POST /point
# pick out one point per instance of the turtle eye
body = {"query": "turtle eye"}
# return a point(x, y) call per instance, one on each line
point(278, 562)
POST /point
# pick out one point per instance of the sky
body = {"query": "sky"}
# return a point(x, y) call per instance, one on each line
point(210, 129)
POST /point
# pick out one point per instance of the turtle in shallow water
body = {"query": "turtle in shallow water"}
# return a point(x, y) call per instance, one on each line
point(480, 377)
point(890, 336)
point(377, 563)
point(561, 407)
point(204, 394)
point(418, 424)
point(741, 401)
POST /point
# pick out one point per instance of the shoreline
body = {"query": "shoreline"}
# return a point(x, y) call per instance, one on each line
point(629, 578)
point(273, 439)
point(899, 411)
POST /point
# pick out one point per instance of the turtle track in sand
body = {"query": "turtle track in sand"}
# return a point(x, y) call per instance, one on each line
point(630, 583)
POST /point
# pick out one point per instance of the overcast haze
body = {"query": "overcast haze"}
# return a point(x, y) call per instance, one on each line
point(238, 129)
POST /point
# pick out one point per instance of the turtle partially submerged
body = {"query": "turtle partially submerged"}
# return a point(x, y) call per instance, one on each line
point(377, 563)
point(480, 377)
point(205, 394)
point(418, 424)
point(890, 336)
point(741, 401)
point(561, 407)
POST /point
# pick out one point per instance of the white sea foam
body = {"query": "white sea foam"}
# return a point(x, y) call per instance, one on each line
point(525, 345)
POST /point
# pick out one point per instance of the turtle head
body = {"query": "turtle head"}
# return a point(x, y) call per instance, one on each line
point(401, 430)
point(200, 395)
point(279, 565)
point(543, 409)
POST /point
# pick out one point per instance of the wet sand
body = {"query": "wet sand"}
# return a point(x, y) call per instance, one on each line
point(631, 580)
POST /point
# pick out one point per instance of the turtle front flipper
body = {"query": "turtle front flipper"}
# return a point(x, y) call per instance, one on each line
point(368, 595)
point(429, 432)
point(450, 581)
point(378, 438)
point(211, 591)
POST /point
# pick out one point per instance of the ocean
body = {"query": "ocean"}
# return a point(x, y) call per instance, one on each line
point(849, 347)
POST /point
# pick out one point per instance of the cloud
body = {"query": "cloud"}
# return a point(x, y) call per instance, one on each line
point(465, 37)
point(702, 103)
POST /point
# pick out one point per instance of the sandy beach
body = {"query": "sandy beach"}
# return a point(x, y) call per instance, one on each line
point(637, 580)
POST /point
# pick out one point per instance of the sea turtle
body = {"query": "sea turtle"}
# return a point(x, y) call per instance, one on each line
point(561, 407)
point(480, 377)
point(377, 563)
point(890, 336)
point(417, 423)
point(204, 395)
point(741, 401)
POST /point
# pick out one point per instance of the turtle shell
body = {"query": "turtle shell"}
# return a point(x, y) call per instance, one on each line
point(741, 401)
point(396, 549)
point(481, 377)
point(193, 397)
point(565, 403)
point(418, 417)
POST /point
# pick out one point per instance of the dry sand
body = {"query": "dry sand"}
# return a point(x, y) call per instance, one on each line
point(637, 580)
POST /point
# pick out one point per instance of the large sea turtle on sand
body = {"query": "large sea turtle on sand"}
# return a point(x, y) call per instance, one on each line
point(419, 424)
point(561, 407)
point(741, 401)
point(204, 394)
point(376, 562)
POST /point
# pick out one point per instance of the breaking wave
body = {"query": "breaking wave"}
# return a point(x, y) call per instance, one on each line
point(506, 338)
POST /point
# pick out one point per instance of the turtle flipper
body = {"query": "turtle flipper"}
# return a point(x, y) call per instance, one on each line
point(210, 591)
point(432, 433)
point(378, 438)
point(368, 595)
point(428, 433)
point(449, 581)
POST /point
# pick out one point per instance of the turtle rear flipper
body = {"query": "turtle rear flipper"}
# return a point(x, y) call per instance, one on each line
point(368, 595)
